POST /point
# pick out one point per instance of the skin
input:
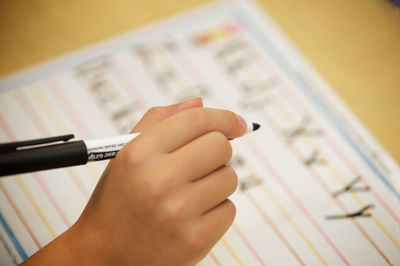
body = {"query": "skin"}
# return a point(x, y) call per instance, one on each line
point(163, 199)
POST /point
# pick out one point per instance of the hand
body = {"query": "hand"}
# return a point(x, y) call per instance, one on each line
point(163, 199)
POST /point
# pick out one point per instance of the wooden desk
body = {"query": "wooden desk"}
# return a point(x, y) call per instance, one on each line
point(354, 44)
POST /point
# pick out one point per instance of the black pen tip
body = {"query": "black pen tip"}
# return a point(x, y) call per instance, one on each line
point(256, 126)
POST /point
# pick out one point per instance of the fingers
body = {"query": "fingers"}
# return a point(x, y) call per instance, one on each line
point(157, 114)
point(210, 191)
point(213, 225)
point(180, 129)
point(201, 156)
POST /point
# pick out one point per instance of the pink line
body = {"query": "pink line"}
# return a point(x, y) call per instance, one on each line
point(52, 199)
point(296, 102)
point(269, 222)
point(128, 86)
point(188, 67)
point(67, 107)
point(6, 128)
point(25, 104)
point(30, 111)
point(322, 183)
point(351, 166)
point(194, 72)
point(279, 179)
point(81, 187)
point(247, 243)
point(38, 178)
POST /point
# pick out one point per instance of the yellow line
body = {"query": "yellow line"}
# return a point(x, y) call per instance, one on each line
point(229, 248)
point(183, 83)
point(362, 203)
point(284, 112)
point(48, 109)
point(298, 230)
point(339, 176)
point(57, 121)
point(34, 205)
point(19, 214)
point(280, 207)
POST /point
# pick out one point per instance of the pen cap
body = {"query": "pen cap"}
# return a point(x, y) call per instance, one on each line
point(42, 158)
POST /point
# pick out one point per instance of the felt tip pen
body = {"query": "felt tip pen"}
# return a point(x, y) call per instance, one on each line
point(56, 152)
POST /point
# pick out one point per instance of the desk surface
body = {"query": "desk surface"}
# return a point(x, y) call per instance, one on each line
point(353, 44)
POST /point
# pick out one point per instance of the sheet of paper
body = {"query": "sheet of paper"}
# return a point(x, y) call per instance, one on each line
point(315, 187)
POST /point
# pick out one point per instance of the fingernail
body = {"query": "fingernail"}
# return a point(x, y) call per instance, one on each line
point(242, 122)
point(190, 100)
point(180, 104)
point(186, 101)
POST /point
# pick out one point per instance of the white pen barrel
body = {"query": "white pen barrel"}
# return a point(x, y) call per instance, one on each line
point(103, 149)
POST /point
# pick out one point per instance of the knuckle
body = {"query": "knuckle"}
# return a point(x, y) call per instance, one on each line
point(171, 214)
point(157, 185)
point(231, 116)
point(130, 157)
point(199, 118)
point(232, 179)
point(164, 175)
point(156, 110)
point(194, 242)
point(231, 210)
point(152, 185)
point(150, 190)
point(232, 119)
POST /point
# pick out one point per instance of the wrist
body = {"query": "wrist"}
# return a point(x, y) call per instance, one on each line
point(88, 246)
point(57, 252)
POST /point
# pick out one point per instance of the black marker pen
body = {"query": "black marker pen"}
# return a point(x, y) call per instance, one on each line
point(56, 152)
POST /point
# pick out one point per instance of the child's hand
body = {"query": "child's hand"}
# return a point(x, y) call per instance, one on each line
point(163, 199)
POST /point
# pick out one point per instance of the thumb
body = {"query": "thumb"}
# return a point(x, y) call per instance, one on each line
point(159, 113)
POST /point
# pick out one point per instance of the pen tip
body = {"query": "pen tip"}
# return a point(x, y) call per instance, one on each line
point(256, 126)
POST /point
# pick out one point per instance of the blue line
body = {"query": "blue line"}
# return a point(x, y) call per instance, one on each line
point(13, 238)
point(274, 53)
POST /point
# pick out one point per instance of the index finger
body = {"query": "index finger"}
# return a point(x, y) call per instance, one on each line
point(179, 129)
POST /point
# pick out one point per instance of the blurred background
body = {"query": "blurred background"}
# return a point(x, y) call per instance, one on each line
point(355, 45)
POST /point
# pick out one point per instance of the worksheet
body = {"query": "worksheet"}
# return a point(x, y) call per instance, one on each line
point(315, 188)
